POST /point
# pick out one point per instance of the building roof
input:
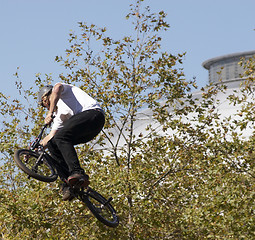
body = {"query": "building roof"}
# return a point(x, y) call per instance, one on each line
point(206, 64)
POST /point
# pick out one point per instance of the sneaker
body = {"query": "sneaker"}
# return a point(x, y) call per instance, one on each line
point(79, 180)
point(67, 194)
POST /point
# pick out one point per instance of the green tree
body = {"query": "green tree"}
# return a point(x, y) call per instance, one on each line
point(175, 167)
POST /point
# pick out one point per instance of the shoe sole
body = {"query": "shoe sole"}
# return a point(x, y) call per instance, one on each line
point(68, 198)
point(78, 182)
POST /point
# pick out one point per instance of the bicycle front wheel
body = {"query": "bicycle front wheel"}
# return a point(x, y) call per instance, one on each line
point(101, 208)
point(30, 163)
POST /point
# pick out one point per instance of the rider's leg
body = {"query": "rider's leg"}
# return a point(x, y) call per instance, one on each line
point(56, 154)
point(80, 128)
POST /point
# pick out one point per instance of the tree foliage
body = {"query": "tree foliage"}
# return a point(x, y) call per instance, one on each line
point(175, 167)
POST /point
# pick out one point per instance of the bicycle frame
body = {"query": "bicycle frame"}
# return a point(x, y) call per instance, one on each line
point(35, 145)
point(100, 207)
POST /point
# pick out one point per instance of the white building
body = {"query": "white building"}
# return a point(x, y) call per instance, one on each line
point(224, 69)
point(227, 69)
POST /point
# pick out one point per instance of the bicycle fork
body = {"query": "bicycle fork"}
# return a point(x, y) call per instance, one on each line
point(37, 163)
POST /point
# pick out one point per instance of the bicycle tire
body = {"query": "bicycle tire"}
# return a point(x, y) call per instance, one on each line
point(100, 208)
point(26, 159)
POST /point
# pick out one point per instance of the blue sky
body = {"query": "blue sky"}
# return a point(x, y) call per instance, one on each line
point(33, 32)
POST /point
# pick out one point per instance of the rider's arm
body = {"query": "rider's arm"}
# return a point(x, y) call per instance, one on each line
point(48, 137)
point(54, 97)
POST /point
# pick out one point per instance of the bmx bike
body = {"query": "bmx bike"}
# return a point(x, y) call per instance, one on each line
point(37, 163)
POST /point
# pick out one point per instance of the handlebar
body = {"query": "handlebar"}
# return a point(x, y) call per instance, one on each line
point(36, 143)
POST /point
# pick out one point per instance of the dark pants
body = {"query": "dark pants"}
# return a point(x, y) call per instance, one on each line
point(80, 128)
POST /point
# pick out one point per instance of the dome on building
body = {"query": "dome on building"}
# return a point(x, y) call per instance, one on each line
point(227, 68)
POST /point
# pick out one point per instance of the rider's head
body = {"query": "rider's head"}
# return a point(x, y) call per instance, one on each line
point(44, 93)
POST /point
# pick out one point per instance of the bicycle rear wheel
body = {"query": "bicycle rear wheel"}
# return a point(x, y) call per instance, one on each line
point(41, 170)
point(101, 208)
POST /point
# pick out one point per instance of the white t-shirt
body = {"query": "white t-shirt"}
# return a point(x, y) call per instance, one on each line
point(72, 101)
